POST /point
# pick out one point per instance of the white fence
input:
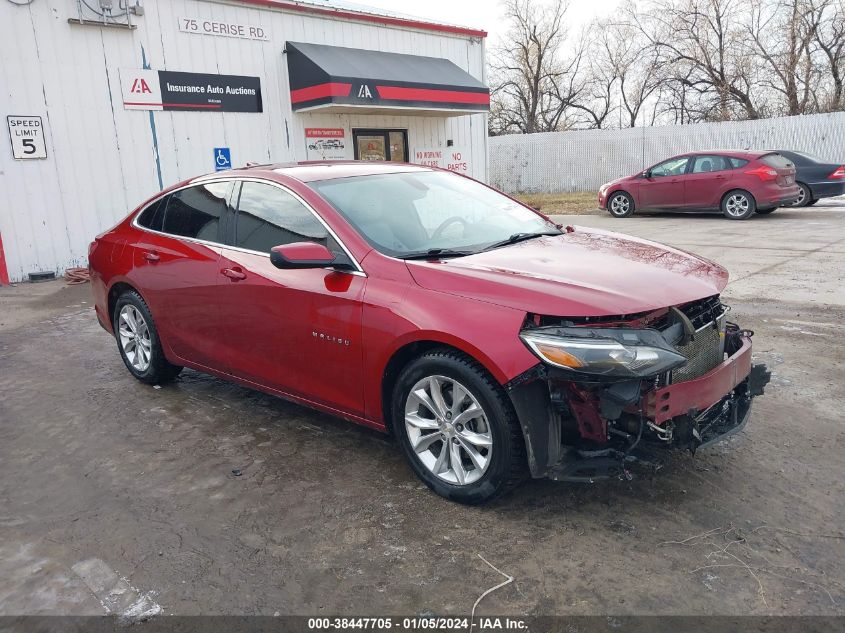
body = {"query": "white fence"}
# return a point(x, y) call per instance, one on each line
point(583, 160)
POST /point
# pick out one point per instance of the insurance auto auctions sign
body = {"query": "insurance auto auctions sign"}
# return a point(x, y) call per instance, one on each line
point(169, 90)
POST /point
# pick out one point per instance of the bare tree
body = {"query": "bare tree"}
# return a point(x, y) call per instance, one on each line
point(704, 42)
point(830, 38)
point(679, 61)
point(533, 82)
point(789, 55)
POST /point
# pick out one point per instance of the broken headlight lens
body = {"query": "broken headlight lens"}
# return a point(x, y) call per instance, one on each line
point(610, 352)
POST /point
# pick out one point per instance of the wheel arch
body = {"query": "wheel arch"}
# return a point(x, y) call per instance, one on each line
point(114, 292)
point(411, 350)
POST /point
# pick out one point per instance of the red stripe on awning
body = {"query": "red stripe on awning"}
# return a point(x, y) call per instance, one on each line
point(399, 93)
point(320, 91)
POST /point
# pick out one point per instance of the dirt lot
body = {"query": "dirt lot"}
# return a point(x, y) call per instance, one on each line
point(572, 203)
point(115, 496)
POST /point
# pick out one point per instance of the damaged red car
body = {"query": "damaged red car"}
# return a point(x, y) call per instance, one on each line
point(491, 342)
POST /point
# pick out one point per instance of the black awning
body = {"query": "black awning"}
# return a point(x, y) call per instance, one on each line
point(352, 79)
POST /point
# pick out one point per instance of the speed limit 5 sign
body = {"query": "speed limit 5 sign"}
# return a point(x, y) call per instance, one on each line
point(27, 136)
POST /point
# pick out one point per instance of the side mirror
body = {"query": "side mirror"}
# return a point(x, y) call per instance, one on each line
point(646, 173)
point(301, 255)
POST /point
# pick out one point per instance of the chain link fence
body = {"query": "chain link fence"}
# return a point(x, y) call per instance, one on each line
point(552, 162)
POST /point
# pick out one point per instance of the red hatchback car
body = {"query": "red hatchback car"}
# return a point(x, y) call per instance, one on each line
point(739, 183)
point(490, 341)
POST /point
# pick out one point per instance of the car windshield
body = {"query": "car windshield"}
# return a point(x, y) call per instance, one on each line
point(421, 213)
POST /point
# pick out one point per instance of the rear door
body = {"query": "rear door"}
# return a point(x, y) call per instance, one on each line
point(176, 263)
point(708, 178)
point(297, 331)
point(663, 187)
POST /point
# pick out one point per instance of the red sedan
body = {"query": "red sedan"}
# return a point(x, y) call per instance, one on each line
point(491, 342)
point(737, 183)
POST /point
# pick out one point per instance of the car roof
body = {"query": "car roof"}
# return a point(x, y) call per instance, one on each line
point(744, 153)
point(310, 171)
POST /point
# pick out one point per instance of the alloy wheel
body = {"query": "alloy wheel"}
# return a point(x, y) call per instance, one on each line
point(619, 205)
point(135, 338)
point(448, 430)
point(802, 195)
point(737, 205)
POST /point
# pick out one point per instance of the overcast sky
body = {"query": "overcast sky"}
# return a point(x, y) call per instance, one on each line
point(486, 14)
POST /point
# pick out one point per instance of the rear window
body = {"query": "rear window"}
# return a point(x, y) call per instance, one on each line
point(153, 216)
point(197, 211)
point(777, 161)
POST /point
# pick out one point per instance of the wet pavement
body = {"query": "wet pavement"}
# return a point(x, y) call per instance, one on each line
point(205, 497)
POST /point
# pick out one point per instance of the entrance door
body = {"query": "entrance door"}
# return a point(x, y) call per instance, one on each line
point(391, 145)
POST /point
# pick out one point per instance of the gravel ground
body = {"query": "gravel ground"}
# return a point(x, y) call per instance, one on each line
point(204, 497)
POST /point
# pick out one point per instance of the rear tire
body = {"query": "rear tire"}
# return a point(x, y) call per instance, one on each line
point(446, 401)
point(812, 202)
point(138, 341)
point(738, 205)
point(805, 198)
point(620, 205)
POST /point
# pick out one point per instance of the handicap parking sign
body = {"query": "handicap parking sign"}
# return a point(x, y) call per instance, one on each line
point(222, 158)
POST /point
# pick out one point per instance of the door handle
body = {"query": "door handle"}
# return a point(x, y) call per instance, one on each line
point(719, 177)
point(233, 274)
point(151, 256)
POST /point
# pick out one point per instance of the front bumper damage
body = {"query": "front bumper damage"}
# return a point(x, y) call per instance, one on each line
point(584, 431)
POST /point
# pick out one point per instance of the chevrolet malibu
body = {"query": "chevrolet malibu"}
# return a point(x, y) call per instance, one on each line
point(491, 342)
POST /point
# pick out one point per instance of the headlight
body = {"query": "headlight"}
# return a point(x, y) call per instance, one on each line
point(611, 352)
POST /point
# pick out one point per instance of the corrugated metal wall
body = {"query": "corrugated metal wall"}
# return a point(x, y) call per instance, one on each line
point(101, 158)
point(584, 160)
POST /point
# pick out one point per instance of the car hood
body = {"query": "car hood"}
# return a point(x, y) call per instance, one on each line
point(607, 185)
point(587, 272)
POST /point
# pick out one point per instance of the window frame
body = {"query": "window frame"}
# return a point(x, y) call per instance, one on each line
point(231, 215)
point(685, 171)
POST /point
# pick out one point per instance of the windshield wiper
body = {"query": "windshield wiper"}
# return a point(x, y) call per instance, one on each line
point(521, 237)
point(437, 252)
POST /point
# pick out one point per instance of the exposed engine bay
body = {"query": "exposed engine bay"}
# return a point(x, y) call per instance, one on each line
point(614, 392)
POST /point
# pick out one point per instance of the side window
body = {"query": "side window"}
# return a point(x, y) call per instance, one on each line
point(197, 211)
point(703, 164)
point(671, 167)
point(269, 216)
point(736, 163)
point(153, 216)
point(777, 161)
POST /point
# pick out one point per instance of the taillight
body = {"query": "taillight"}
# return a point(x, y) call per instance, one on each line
point(839, 173)
point(766, 174)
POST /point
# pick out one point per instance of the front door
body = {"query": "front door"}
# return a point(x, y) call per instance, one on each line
point(389, 145)
point(297, 331)
point(663, 187)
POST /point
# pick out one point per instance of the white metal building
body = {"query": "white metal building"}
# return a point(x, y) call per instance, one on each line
point(108, 101)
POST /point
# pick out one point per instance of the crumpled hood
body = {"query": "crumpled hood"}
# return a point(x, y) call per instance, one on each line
point(588, 272)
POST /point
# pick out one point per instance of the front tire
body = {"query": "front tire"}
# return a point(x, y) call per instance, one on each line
point(138, 341)
point(620, 205)
point(738, 205)
point(457, 428)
